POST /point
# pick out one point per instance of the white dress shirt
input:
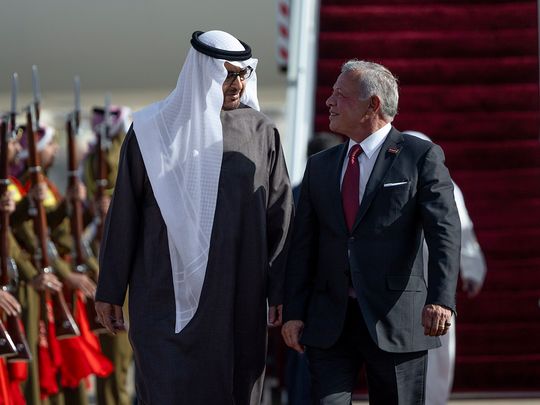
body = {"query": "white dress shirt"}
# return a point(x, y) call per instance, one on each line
point(370, 147)
point(370, 150)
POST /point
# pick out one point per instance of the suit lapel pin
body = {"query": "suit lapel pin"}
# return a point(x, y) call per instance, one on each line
point(393, 150)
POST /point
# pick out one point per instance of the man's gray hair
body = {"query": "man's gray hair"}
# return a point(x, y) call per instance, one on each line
point(376, 80)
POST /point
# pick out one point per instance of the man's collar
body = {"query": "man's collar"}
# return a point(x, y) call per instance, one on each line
point(373, 142)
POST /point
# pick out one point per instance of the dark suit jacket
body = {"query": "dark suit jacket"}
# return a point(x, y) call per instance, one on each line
point(383, 253)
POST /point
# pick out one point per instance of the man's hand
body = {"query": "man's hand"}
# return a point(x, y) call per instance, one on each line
point(38, 192)
point(436, 320)
point(7, 204)
point(101, 204)
point(46, 281)
point(76, 192)
point(274, 316)
point(471, 287)
point(110, 316)
point(83, 283)
point(9, 304)
point(291, 332)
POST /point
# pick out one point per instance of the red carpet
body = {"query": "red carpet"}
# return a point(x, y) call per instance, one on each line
point(469, 76)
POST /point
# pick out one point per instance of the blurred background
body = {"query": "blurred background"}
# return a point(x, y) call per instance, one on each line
point(133, 49)
point(128, 45)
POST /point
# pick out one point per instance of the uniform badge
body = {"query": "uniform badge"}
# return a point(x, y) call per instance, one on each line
point(393, 150)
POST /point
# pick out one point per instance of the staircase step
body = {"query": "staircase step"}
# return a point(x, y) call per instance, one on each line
point(516, 183)
point(497, 373)
point(509, 243)
point(401, 3)
point(401, 44)
point(480, 339)
point(424, 17)
point(511, 278)
point(515, 264)
point(469, 98)
point(448, 126)
point(518, 213)
point(459, 98)
point(481, 126)
point(453, 70)
point(492, 155)
point(501, 307)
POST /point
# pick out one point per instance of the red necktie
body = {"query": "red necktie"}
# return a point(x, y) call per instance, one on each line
point(350, 188)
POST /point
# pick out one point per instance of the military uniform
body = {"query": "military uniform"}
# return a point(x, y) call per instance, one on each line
point(78, 357)
point(29, 298)
point(111, 390)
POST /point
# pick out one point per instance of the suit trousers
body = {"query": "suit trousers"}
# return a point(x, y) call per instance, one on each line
point(440, 371)
point(393, 378)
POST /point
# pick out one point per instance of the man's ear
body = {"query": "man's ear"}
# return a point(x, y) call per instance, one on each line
point(375, 103)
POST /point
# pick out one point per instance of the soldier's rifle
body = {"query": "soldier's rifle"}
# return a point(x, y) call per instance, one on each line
point(14, 94)
point(9, 276)
point(7, 345)
point(72, 130)
point(65, 325)
point(101, 178)
point(36, 89)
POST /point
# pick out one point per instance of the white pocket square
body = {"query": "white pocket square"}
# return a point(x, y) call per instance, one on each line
point(395, 184)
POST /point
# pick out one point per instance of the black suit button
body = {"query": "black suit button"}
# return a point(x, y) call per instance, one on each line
point(352, 239)
point(346, 272)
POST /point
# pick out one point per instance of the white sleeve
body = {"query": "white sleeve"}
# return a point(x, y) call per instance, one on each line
point(472, 262)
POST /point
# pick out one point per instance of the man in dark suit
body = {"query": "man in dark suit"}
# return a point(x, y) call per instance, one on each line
point(355, 289)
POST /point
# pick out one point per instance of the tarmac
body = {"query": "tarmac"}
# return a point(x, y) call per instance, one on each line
point(492, 400)
point(508, 401)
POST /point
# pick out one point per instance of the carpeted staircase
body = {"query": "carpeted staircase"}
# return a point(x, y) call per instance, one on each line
point(469, 79)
